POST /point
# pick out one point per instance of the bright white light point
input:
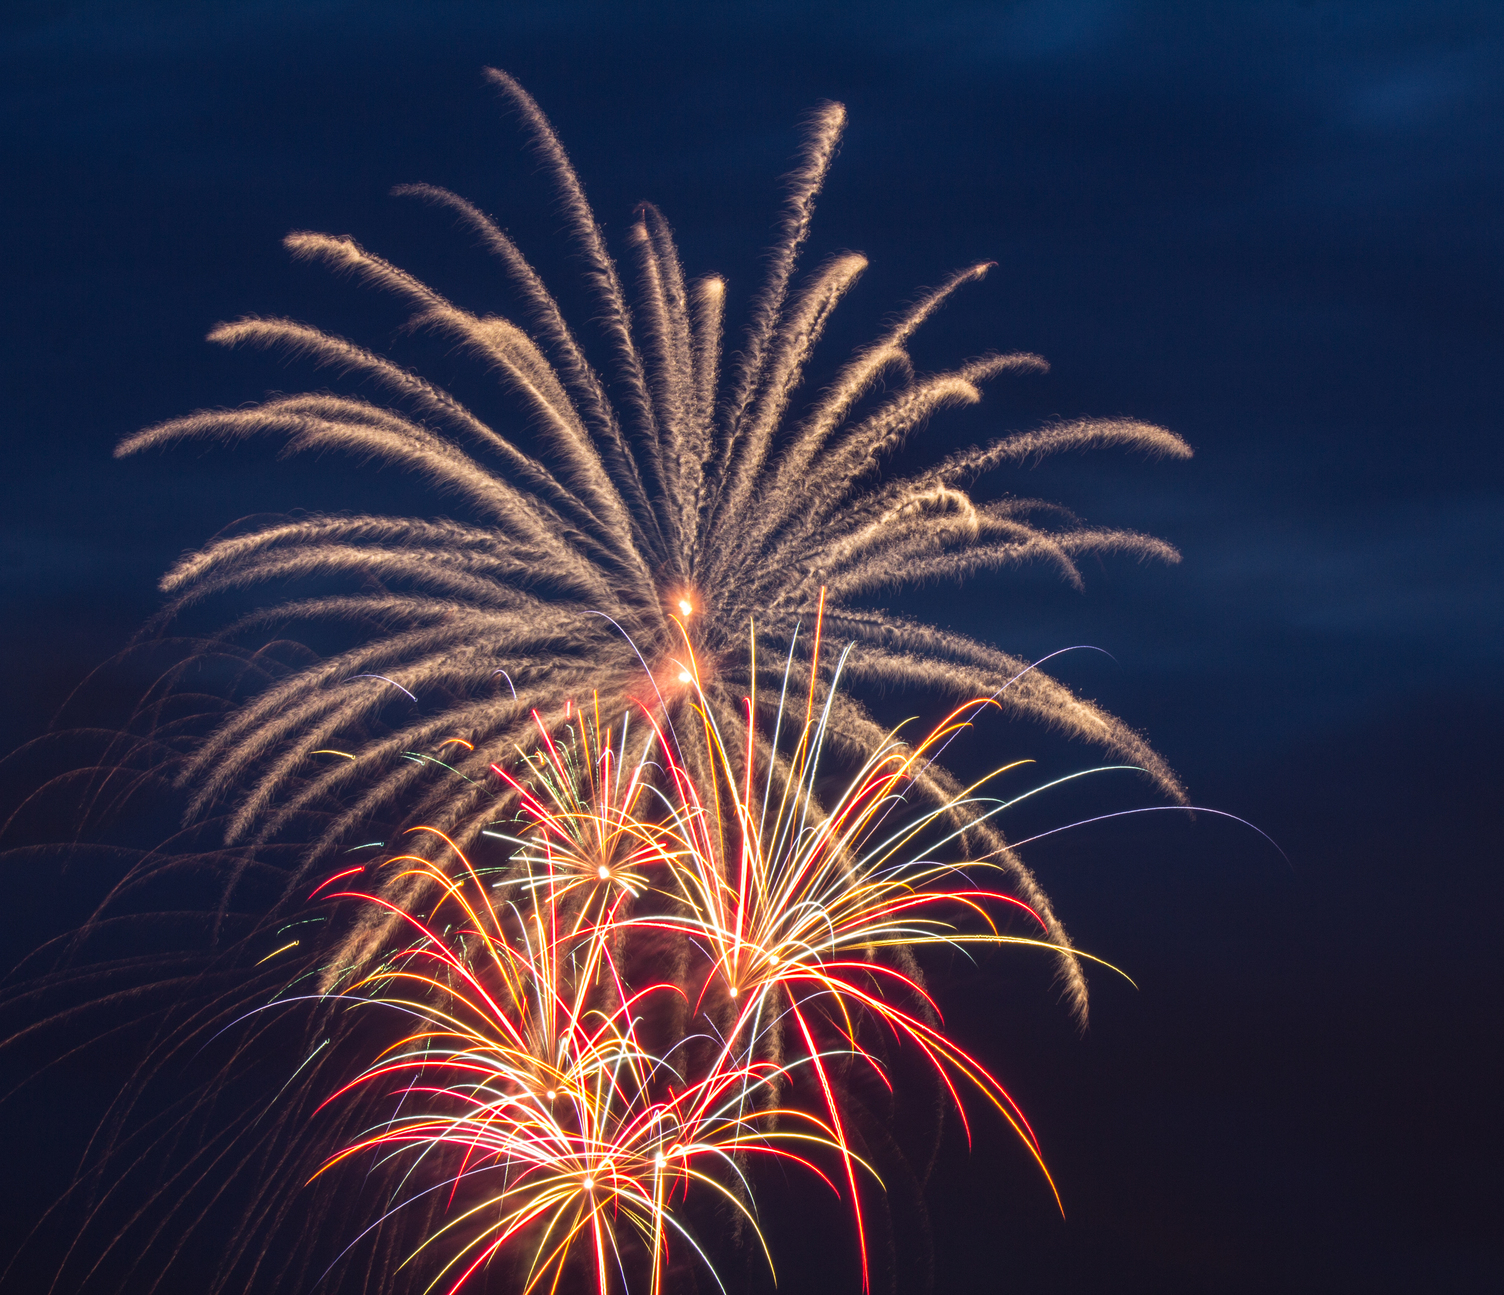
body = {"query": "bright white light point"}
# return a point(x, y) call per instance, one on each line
point(603, 872)
point(550, 1094)
point(733, 991)
point(686, 606)
point(589, 1183)
point(659, 1159)
point(684, 676)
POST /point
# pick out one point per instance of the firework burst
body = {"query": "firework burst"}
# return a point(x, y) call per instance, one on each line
point(694, 501)
point(527, 1084)
point(540, 1088)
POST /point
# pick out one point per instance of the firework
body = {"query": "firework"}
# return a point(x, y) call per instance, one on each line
point(541, 1088)
point(694, 500)
point(527, 1079)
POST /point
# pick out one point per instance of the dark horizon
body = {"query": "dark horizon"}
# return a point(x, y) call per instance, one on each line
point(1270, 228)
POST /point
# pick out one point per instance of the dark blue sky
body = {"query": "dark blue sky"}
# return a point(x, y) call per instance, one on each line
point(1273, 227)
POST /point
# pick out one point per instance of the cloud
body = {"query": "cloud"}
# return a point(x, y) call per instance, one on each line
point(1423, 573)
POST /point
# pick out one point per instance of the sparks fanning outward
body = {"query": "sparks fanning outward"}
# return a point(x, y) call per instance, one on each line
point(567, 1095)
point(659, 487)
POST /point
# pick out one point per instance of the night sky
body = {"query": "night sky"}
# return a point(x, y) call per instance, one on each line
point(1272, 227)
